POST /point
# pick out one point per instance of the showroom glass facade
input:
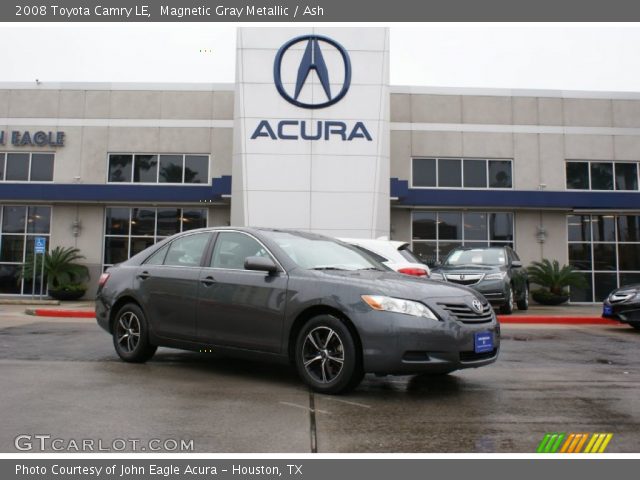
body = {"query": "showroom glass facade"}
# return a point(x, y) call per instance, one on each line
point(602, 175)
point(606, 251)
point(129, 230)
point(436, 233)
point(461, 173)
point(26, 167)
point(155, 168)
point(19, 225)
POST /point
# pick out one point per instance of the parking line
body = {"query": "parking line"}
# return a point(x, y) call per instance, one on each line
point(355, 404)
point(304, 408)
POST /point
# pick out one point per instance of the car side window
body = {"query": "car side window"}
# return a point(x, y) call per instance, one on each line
point(187, 251)
point(233, 248)
point(158, 257)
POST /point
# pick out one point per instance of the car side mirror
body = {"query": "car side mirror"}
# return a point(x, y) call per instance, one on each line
point(261, 264)
point(516, 264)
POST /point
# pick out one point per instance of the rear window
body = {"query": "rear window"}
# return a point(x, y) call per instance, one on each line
point(408, 255)
point(375, 256)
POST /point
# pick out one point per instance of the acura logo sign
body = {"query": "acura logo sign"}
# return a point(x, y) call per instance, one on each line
point(313, 59)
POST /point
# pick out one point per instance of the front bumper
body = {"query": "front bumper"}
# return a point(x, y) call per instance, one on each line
point(625, 312)
point(401, 344)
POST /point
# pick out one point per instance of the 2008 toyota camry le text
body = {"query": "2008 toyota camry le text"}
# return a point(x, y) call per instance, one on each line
point(321, 304)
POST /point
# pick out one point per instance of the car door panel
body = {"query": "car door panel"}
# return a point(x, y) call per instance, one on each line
point(237, 307)
point(243, 309)
point(169, 286)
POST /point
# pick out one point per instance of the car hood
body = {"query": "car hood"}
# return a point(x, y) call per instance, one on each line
point(393, 284)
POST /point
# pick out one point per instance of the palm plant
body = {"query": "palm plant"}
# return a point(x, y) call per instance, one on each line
point(60, 268)
point(552, 276)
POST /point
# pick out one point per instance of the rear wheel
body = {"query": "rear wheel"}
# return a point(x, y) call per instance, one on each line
point(523, 303)
point(131, 335)
point(327, 358)
point(507, 308)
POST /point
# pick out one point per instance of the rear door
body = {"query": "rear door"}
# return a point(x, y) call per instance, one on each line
point(168, 283)
point(237, 307)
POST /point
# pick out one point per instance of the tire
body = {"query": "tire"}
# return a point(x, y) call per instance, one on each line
point(326, 356)
point(523, 303)
point(507, 307)
point(131, 335)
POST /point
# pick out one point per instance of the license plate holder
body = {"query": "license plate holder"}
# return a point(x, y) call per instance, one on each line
point(607, 311)
point(483, 342)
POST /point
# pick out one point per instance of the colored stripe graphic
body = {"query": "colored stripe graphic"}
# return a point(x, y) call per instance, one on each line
point(574, 442)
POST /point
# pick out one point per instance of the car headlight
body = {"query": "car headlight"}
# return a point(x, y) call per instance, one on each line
point(495, 276)
point(398, 305)
point(436, 276)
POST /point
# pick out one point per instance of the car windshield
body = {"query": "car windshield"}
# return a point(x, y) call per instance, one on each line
point(314, 252)
point(477, 256)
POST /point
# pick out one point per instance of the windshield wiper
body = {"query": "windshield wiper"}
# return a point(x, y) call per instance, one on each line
point(328, 268)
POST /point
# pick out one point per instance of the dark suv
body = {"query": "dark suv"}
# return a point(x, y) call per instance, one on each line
point(495, 272)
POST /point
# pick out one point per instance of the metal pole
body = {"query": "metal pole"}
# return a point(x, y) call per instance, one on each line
point(34, 273)
point(41, 276)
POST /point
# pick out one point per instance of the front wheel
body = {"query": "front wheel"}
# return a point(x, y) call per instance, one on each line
point(507, 308)
point(327, 358)
point(131, 335)
point(523, 303)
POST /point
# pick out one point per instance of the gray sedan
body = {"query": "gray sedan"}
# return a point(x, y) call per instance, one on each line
point(323, 305)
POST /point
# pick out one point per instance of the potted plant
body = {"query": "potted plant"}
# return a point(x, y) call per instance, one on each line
point(65, 277)
point(553, 280)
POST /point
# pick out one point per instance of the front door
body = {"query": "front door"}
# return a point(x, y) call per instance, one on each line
point(237, 307)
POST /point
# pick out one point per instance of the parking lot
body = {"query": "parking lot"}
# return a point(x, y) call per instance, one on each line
point(61, 377)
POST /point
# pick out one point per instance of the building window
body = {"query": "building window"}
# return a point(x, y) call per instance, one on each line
point(598, 175)
point(19, 225)
point(129, 230)
point(26, 167)
point(158, 168)
point(461, 173)
point(605, 249)
point(435, 234)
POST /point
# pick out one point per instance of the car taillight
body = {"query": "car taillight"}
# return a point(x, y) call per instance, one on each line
point(103, 279)
point(416, 272)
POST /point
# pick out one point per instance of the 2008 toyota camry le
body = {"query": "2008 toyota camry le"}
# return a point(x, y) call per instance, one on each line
point(323, 305)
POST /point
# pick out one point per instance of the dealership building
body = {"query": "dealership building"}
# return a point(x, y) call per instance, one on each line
point(312, 136)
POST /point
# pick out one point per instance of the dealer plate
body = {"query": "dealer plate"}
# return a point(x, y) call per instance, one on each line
point(607, 310)
point(483, 342)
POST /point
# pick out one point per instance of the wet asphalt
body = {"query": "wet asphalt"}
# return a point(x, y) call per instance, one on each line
point(61, 377)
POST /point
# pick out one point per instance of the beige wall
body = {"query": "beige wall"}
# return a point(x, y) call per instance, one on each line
point(538, 152)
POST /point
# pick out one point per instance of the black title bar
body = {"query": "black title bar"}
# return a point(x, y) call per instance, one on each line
point(318, 10)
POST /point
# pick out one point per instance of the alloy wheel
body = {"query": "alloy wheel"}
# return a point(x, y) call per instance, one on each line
point(128, 332)
point(323, 354)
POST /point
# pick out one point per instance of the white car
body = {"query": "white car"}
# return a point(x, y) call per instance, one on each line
point(394, 254)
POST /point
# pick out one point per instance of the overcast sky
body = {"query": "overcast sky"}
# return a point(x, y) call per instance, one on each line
point(552, 56)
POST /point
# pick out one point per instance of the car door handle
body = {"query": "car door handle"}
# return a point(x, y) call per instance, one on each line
point(208, 281)
point(143, 275)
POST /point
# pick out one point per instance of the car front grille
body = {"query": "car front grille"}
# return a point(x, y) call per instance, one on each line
point(464, 278)
point(475, 357)
point(465, 314)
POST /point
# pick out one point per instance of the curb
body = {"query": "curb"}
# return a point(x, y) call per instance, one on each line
point(548, 320)
point(504, 319)
point(43, 312)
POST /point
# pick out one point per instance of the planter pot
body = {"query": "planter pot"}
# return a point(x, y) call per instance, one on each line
point(66, 294)
point(544, 297)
